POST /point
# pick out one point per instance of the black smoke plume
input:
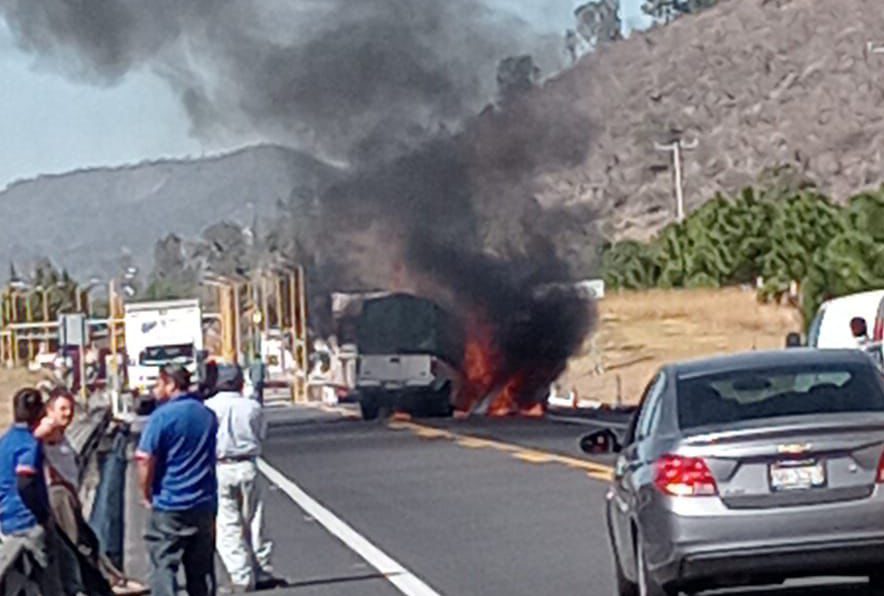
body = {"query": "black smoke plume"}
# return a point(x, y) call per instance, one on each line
point(438, 194)
point(346, 79)
point(457, 221)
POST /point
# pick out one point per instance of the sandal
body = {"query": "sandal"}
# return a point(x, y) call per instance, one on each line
point(129, 587)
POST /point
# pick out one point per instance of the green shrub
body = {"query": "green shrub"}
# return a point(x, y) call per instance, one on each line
point(780, 233)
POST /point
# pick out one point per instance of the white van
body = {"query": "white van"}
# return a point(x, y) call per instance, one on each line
point(830, 327)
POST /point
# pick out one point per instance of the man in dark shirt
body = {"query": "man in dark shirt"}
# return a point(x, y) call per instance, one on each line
point(25, 516)
point(176, 472)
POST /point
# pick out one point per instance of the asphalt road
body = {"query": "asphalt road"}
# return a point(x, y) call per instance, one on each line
point(477, 507)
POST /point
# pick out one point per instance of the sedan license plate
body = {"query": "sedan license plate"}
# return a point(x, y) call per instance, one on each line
point(797, 475)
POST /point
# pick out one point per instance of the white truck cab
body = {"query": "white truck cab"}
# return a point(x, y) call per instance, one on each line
point(159, 333)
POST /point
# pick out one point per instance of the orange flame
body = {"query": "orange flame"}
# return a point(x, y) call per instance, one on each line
point(478, 367)
point(505, 402)
point(482, 368)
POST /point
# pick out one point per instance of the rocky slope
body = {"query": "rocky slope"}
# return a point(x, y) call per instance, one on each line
point(757, 83)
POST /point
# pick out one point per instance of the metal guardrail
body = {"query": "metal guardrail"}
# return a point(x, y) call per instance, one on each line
point(16, 564)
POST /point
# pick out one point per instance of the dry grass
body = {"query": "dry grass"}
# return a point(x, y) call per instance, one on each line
point(639, 331)
point(12, 379)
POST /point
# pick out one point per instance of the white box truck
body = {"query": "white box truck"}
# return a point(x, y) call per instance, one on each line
point(158, 333)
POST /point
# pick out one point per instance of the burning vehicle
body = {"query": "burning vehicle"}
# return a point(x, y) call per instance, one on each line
point(410, 353)
point(420, 358)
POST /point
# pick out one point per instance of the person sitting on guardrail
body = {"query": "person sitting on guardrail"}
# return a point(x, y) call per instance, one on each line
point(176, 474)
point(63, 478)
point(25, 516)
point(241, 429)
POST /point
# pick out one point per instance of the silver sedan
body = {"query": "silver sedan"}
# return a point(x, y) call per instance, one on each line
point(749, 469)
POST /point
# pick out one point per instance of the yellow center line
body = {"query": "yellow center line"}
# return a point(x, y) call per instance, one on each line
point(536, 456)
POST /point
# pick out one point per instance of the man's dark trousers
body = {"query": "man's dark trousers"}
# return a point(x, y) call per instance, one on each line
point(182, 538)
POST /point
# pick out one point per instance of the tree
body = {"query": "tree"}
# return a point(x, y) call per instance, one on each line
point(226, 249)
point(630, 265)
point(801, 226)
point(787, 232)
point(516, 75)
point(669, 10)
point(172, 275)
point(54, 286)
point(599, 21)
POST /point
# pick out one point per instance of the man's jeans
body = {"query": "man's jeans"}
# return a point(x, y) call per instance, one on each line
point(178, 539)
point(108, 512)
point(246, 555)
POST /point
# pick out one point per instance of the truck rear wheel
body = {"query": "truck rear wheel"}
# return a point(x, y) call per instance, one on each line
point(368, 405)
point(441, 401)
point(441, 407)
point(432, 403)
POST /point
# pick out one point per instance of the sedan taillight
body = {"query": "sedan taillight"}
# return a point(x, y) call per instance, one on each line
point(881, 469)
point(681, 476)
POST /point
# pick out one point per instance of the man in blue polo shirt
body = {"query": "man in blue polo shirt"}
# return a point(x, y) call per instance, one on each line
point(176, 472)
point(25, 516)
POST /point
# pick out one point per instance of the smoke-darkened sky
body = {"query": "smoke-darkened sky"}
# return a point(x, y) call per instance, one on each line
point(54, 123)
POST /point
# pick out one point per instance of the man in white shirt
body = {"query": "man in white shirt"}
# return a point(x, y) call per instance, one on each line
point(241, 429)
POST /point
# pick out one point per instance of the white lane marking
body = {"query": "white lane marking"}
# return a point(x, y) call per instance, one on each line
point(588, 422)
point(403, 579)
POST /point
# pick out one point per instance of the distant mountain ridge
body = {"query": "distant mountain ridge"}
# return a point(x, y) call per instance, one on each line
point(84, 220)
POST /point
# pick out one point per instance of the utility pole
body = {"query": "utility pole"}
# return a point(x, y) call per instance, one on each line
point(676, 148)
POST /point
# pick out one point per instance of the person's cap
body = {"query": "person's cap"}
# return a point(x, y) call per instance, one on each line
point(179, 374)
point(230, 378)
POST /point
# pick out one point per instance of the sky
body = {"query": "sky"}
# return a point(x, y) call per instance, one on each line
point(49, 124)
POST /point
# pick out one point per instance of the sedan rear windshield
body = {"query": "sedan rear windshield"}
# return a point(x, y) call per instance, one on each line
point(744, 395)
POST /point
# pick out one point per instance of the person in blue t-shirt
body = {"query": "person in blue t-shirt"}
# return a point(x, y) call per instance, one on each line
point(176, 473)
point(25, 516)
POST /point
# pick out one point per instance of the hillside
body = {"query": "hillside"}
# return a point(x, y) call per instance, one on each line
point(84, 219)
point(758, 83)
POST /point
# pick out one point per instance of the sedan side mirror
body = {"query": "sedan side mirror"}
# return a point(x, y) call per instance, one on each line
point(793, 340)
point(601, 442)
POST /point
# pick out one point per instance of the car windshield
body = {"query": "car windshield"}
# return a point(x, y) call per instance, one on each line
point(743, 395)
point(159, 355)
